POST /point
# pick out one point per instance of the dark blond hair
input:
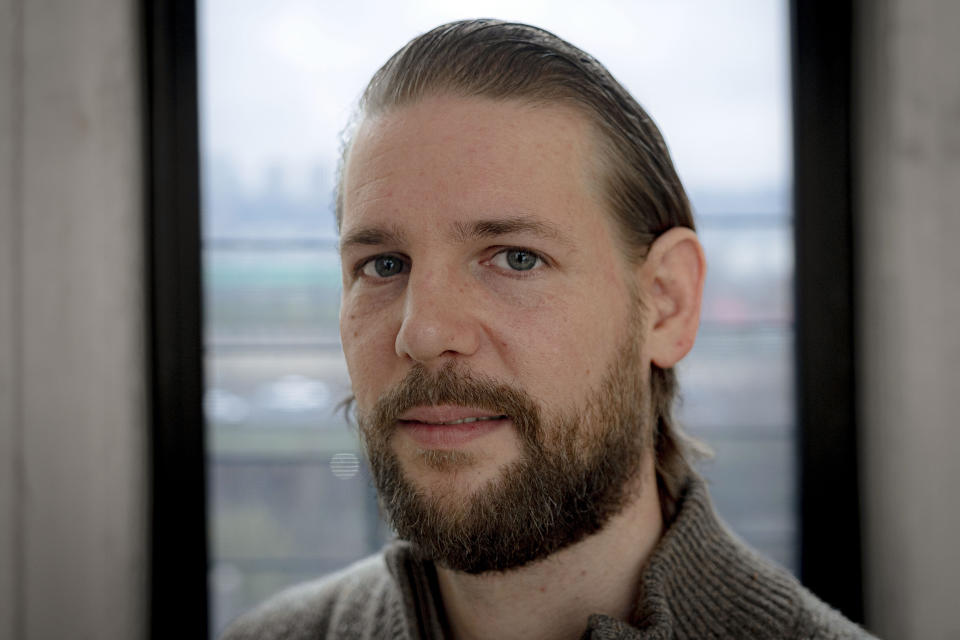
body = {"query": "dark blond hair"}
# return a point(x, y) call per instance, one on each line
point(501, 60)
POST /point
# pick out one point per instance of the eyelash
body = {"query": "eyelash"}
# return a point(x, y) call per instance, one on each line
point(541, 263)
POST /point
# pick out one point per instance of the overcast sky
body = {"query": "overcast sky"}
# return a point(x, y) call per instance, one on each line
point(279, 78)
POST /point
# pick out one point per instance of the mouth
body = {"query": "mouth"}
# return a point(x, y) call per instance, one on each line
point(448, 414)
point(452, 422)
point(448, 426)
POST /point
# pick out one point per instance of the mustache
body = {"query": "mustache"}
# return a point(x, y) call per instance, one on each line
point(454, 386)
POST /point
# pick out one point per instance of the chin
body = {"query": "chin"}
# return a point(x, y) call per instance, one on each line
point(450, 474)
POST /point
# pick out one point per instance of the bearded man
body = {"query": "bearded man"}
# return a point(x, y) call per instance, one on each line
point(520, 275)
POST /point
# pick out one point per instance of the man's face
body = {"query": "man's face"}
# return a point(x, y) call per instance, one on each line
point(492, 329)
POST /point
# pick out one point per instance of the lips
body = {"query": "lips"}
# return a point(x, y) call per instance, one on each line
point(448, 415)
point(448, 426)
point(460, 421)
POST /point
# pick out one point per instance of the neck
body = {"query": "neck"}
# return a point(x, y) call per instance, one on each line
point(552, 598)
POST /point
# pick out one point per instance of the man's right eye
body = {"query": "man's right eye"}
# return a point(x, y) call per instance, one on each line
point(383, 266)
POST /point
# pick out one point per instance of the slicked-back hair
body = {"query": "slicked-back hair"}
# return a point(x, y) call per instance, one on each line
point(511, 61)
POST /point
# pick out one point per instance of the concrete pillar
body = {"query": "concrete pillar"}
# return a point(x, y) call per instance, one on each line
point(72, 393)
point(9, 317)
point(908, 230)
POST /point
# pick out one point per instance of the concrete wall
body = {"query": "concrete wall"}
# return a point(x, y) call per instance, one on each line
point(908, 233)
point(9, 331)
point(72, 420)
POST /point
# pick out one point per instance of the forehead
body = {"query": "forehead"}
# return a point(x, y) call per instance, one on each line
point(447, 158)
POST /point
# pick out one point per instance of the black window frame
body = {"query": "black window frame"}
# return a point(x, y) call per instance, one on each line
point(822, 72)
point(178, 600)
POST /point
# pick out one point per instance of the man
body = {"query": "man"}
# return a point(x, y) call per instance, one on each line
point(520, 275)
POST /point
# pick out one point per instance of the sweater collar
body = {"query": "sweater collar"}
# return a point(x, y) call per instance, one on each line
point(702, 581)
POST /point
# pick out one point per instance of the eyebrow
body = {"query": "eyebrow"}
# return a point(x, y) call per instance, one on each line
point(505, 226)
point(493, 228)
point(372, 236)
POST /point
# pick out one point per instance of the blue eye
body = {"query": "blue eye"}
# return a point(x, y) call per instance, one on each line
point(383, 267)
point(520, 259)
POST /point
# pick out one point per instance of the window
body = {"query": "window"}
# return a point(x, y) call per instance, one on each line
point(289, 498)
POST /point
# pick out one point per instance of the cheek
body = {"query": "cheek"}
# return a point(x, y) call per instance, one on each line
point(368, 341)
point(562, 347)
point(583, 332)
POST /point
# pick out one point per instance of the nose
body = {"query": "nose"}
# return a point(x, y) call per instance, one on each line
point(439, 319)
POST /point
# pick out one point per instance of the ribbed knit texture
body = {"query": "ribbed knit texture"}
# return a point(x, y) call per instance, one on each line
point(700, 582)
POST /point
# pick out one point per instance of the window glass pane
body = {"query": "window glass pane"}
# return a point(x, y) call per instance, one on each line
point(289, 494)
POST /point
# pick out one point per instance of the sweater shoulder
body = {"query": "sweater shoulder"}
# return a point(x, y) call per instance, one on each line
point(775, 604)
point(361, 601)
point(703, 581)
point(820, 621)
point(805, 615)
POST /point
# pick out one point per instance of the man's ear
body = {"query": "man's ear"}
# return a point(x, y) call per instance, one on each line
point(672, 278)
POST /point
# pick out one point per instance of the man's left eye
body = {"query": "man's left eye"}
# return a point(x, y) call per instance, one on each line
point(517, 259)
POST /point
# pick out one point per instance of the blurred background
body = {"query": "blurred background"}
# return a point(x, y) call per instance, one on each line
point(273, 489)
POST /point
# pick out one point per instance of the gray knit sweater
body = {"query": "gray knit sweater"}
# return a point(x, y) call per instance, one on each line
point(700, 582)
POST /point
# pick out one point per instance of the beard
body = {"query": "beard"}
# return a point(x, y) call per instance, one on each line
point(576, 469)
